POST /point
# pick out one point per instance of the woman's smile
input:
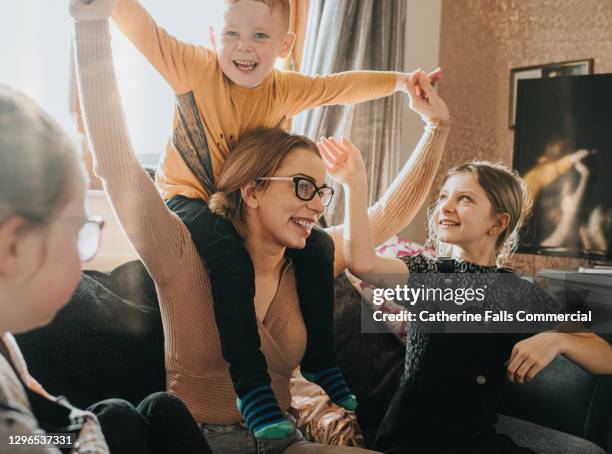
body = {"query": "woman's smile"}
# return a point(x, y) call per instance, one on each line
point(303, 225)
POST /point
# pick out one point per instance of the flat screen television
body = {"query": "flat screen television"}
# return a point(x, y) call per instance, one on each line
point(563, 150)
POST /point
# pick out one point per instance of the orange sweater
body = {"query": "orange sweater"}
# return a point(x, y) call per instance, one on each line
point(210, 109)
point(195, 369)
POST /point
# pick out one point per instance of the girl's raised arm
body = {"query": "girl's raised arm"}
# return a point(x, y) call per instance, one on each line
point(355, 240)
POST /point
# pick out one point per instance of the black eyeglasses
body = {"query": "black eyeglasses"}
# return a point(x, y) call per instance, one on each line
point(305, 188)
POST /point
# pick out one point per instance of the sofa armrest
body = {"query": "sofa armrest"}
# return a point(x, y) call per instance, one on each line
point(564, 397)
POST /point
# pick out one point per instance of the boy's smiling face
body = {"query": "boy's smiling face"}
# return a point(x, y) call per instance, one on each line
point(252, 38)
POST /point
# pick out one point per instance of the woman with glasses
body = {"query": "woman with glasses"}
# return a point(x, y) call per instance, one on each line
point(272, 189)
point(45, 235)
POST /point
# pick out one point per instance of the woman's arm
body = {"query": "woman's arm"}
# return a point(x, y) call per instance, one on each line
point(530, 356)
point(401, 201)
point(156, 234)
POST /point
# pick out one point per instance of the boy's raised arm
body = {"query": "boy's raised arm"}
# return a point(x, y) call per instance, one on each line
point(180, 63)
point(304, 92)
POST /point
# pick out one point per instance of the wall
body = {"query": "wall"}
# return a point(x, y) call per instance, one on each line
point(115, 248)
point(422, 50)
point(480, 41)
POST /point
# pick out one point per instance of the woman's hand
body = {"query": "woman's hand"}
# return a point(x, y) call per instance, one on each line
point(343, 161)
point(91, 10)
point(423, 99)
point(533, 354)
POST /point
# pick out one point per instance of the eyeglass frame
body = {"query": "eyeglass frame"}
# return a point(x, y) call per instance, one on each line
point(93, 219)
point(296, 179)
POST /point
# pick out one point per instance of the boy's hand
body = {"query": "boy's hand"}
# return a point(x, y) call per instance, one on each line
point(429, 105)
point(403, 78)
point(343, 161)
point(91, 10)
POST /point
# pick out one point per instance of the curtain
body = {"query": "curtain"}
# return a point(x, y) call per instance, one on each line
point(297, 24)
point(344, 35)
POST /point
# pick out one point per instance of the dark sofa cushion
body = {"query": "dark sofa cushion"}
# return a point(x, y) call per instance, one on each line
point(106, 342)
point(544, 440)
point(371, 363)
point(564, 397)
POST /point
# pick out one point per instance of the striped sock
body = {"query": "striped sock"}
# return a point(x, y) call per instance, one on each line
point(263, 416)
point(332, 382)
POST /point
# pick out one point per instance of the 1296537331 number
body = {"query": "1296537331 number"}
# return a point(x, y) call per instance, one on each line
point(58, 440)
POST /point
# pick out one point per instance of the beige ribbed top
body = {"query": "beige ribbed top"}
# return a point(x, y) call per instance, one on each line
point(196, 371)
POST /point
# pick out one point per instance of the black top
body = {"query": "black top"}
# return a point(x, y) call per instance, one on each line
point(452, 383)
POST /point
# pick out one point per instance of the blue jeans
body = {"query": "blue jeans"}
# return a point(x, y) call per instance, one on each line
point(236, 439)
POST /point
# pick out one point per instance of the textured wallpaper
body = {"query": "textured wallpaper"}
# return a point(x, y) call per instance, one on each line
point(481, 40)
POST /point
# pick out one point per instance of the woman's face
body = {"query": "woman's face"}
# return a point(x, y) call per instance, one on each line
point(463, 215)
point(46, 268)
point(282, 217)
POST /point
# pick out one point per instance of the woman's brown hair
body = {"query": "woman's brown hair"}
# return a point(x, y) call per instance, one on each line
point(507, 193)
point(259, 153)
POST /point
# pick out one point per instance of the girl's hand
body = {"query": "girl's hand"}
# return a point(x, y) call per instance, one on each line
point(423, 99)
point(343, 161)
point(91, 10)
point(533, 354)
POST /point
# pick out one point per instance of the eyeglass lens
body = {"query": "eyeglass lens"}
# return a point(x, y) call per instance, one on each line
point(306, 190)
point(89, 240)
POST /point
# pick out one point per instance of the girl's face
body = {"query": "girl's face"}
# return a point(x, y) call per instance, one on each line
point(41, 267)
point(464, 216)
point(281, 217)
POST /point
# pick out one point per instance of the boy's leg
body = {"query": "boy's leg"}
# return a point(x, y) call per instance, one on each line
point(314, 268)
point(228, 263)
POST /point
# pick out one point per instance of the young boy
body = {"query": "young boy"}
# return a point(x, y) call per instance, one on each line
point(220, 94)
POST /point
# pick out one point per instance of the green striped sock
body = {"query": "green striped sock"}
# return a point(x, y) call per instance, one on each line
point(332, 382)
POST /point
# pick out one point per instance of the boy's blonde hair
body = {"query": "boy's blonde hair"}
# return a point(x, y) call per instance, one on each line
point(282, 6)
point(507, 193)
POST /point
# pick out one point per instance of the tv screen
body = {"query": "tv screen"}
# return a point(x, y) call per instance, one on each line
point(563, 151)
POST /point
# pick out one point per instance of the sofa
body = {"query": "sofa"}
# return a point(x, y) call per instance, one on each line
point(108, 342)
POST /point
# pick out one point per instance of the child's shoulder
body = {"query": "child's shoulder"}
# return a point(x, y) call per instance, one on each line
point(420, 263)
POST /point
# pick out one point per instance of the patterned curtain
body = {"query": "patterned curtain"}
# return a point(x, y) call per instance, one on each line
point(344, 35)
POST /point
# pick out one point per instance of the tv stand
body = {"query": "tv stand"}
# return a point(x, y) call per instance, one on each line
point(592, 289)
point(596, 270)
